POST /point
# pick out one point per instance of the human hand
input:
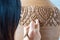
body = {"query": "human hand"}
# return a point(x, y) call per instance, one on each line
point(32, 31)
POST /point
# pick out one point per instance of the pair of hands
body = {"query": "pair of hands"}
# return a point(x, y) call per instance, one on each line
point(32, 31)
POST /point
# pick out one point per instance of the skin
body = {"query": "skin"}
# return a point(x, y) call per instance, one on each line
point(32, 29)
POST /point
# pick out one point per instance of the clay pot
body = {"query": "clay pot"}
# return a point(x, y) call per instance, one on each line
point(47, 14)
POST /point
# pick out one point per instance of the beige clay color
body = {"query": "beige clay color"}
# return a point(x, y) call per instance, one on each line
point(47, 14)
point(36, 3)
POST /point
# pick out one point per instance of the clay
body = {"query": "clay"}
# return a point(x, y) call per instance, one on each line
point(47, 14)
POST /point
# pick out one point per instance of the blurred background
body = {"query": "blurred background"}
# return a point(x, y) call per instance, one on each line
point(56, 2)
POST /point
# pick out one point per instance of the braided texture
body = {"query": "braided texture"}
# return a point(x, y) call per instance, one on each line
point(45, 15)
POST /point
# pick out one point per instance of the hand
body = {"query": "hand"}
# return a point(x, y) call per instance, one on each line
point(31, 31)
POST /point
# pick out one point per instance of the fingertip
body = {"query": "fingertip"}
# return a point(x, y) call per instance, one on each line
point(37, 22)
point(31, 23)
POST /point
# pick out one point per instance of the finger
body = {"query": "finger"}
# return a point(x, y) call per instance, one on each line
point(31, 28)
point(32, 34)
point(26, 29)
point(37, 24)
point(31, 25)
